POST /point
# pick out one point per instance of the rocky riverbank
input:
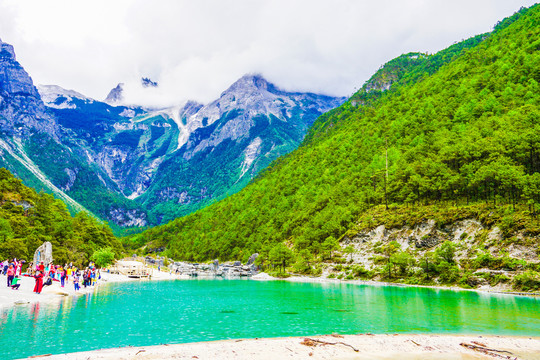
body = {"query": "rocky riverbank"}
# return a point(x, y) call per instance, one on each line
point(214, 269)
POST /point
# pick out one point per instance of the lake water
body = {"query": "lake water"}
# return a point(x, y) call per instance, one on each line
point(160, 312)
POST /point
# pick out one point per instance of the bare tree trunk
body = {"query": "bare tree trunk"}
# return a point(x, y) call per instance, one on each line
point(386, 175)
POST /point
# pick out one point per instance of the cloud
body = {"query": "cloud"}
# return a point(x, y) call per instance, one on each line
point(196, 49)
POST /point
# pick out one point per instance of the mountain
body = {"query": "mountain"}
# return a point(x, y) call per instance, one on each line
point(176, 160)
point(21, 109)
point(223, 145)
point(36, 147)
point(116, 95)
point(59, 98)
point(135, 167)
point(460, 135)
point(147, 82)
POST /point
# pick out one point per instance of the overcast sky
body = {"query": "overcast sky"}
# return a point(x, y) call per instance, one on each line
point(195, 49)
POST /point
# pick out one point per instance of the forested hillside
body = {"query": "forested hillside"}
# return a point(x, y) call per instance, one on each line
point(27, 219)
point(462, 132)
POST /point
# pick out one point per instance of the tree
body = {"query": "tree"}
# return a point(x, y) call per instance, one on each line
point(330, 245)
point(303, 261)
point(403, 260)
point(349, 250)
point(428, 263)
point(388, 250)
point(281, 255)
point(103, 257)
point(446, 252)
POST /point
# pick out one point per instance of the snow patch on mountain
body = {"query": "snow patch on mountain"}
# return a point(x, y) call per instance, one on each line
point(59, 98)
point(19, 154)
point(128, 113)
point(250, 154)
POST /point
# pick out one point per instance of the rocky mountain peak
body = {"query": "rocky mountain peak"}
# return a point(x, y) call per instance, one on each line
point(13, 78)
point(116, 95)
point(21, 107)
point(6, 51)
point(147, 82)
point(250, 83)
point(57, 97)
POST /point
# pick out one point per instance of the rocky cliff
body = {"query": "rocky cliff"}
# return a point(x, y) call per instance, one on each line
point(474, 247)
point(21, 108)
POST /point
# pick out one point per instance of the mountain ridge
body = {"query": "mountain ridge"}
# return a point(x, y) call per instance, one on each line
point(121, 151)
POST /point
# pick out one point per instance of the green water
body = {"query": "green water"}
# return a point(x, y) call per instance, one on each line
point(151, 313)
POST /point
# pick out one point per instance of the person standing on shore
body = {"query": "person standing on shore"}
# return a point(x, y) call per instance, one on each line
point(10, 275)
point(76, 282)
point(69, 272)
point(18, 267)
point(39, 282)
point(62, 272)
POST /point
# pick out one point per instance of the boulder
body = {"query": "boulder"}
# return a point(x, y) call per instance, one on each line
point(43, 254)
point(252, 258)
point(427, 241)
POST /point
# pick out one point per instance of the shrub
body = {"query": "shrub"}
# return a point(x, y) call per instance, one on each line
point(448, 273)
point(338, 267)
point(103, 257)
point(403, 261)
point(446, 252)
point(361, 272)
point(527, 281)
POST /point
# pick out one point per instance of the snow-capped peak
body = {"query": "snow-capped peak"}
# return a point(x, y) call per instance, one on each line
point(57, 97)
point(248, 84)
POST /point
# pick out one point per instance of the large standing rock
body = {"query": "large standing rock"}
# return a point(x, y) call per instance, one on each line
point(43, 253)
point(252, 258)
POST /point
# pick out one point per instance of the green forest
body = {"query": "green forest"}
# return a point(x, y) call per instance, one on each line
point(458, 128)
point(27, 219)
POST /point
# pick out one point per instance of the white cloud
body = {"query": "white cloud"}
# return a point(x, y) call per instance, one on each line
point(196, 49)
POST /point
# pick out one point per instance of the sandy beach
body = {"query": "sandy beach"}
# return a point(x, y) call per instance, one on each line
point(359, 347)
point(54, 292)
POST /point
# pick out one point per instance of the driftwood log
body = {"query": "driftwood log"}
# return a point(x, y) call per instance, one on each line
point(315, 342)
point(491, 352)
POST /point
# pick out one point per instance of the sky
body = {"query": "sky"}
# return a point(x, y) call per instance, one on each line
point(197, 49)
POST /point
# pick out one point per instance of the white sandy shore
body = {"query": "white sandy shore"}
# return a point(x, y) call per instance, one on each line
point(406, 347)
point(54, 292)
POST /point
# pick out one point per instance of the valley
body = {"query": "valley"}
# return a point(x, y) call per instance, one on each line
point(403, 219)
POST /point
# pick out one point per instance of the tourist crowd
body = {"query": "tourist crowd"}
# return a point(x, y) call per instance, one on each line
point(44, 275)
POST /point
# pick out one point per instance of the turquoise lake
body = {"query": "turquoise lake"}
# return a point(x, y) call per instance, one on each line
point(160, 312)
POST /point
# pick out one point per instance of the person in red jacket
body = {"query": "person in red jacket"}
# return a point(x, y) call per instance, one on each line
point(39, 282)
